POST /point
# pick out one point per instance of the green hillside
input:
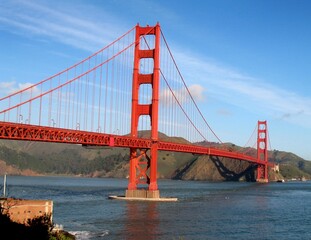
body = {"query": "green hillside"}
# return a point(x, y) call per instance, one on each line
point(55, 158)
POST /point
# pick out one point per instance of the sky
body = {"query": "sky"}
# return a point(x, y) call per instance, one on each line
point(250, 60)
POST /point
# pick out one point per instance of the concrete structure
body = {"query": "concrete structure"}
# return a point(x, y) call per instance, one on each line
point(146, 199)
point(20, 210)
point(276, 168)
point(142, 193)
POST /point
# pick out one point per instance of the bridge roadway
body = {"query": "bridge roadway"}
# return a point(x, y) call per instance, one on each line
point(26, 132)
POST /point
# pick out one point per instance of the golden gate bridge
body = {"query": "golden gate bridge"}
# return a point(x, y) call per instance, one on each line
point(130, 87)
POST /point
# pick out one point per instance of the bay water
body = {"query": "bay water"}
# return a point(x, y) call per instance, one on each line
point(205, 210)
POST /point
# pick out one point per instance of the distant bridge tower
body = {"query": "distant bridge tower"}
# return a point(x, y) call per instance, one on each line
point(143, 167)
point(262, 151)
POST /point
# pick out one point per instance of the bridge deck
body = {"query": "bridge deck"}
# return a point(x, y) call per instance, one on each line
point(17, 131)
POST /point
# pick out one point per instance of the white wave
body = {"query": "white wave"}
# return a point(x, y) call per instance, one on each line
point(81, 235)
point(85, 235)
point(104, 233)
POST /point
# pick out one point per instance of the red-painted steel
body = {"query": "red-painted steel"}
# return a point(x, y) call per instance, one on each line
point(26, 132)
point(143, 152)
point(137, 173)
point(262, 151)
point(17, 131)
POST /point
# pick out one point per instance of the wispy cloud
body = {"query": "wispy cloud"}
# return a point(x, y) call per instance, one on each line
point(233, 87)
point(7, 88)
point(34, 19)
point(197, 92)
point(224, 112)
point(39, 19)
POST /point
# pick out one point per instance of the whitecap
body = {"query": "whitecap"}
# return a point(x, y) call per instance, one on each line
point(104, 233)
point(81, 235)
point(85, 235)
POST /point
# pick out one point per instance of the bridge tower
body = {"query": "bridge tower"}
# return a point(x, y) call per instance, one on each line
point(262, 152)
point(143, 162)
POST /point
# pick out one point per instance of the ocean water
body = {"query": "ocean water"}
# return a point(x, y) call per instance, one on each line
point(205, 210)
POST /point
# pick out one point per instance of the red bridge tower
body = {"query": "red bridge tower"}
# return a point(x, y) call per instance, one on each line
point(262, 152)
point(143, 167)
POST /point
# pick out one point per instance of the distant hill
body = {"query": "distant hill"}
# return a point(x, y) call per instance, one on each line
point(291, 165)
point(33, 158)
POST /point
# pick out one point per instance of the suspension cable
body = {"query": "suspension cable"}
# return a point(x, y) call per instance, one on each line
point(73, 66)
point(188, 89)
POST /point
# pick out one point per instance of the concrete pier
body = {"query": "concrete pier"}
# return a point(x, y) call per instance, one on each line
point(143, 195)
point(262, 180)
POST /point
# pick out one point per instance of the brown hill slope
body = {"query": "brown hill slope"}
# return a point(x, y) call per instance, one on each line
point(53, 158)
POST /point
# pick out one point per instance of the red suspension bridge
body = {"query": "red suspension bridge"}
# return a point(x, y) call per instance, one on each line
point(114, 95)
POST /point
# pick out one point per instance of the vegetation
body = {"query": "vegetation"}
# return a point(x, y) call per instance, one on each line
point(291, 165)
point(39, 228)
point(53, 158)
point(67, 161)
point(292, 172)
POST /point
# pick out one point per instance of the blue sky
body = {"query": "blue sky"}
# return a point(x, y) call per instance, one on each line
point(252, 58)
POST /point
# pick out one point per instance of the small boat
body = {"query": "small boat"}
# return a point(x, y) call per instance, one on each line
point(280, 180)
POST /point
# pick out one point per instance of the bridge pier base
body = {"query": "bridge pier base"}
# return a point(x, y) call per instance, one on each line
point(262, 180)
point(142, 193)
